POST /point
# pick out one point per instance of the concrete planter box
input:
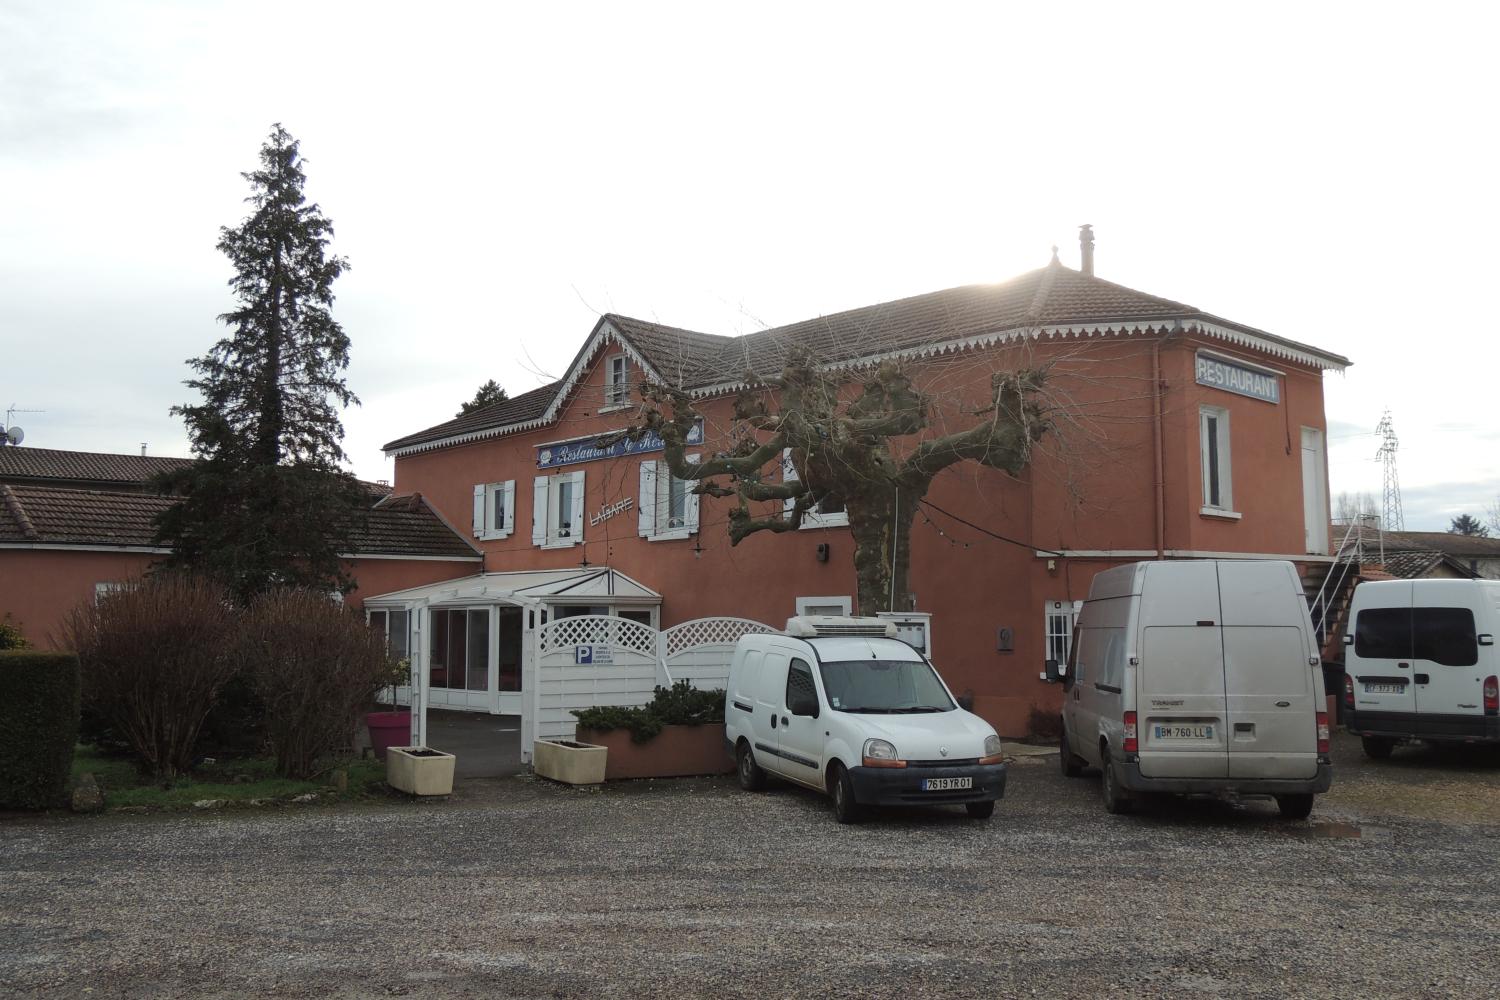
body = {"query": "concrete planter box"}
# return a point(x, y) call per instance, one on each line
point(677, 752)
point(419, 770)
point(569, 762)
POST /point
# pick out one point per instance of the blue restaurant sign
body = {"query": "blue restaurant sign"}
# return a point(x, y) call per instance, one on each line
point(550, 456)
point(1226, 375)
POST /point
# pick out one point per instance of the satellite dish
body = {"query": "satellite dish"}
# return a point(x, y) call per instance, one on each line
point(15, 435)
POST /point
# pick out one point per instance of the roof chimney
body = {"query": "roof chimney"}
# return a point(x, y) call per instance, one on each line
point(1086, 242)
point(143, 449)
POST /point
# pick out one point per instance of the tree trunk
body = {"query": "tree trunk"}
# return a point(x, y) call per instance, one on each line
point(880, 519)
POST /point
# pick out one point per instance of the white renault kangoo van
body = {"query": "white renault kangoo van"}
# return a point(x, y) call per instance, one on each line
point(842, 706)
point(1420, 662)
point(1197, 677)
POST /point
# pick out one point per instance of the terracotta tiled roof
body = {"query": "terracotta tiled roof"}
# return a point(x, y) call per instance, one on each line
point(42, 515)
point(1413, 564)
point(21, 464)
point(527, 406)
point(1457, 546)
point(1049, 297)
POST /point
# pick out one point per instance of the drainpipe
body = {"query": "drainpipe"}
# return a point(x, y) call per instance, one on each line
point(1161, 508)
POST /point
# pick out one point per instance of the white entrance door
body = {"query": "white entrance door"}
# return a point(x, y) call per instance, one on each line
point(1314, 491)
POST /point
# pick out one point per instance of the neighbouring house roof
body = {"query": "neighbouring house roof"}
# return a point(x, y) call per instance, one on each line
point(1053, 301)
point(50, 465)
point(1458, 547)
point(1414, 564)
point(52, 517)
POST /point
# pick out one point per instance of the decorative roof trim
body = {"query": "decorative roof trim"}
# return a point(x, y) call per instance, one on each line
point(605, 332)
point(87, 547)
point(356, 556)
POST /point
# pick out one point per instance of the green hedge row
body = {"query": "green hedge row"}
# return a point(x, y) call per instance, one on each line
point(38, 727)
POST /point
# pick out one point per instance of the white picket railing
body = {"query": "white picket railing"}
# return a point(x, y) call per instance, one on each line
point(599, 660)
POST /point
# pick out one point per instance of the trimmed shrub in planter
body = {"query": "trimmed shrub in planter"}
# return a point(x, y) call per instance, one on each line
point(153, 657)
point(675, 752)
point(38, 727)
point(680, 733)
point(679, 705)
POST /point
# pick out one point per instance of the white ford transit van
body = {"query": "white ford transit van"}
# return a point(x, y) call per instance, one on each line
point(842, 706)
point(1420, 662)
point(1197, 676)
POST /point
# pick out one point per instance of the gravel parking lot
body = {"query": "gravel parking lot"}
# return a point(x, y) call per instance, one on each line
point(693, 888)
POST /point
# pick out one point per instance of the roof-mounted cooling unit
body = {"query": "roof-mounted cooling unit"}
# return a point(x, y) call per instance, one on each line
point(810, 626)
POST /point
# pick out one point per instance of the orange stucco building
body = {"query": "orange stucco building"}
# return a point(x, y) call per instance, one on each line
point(1176, 434)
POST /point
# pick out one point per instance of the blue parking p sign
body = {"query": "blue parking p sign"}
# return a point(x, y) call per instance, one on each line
point(583, 654)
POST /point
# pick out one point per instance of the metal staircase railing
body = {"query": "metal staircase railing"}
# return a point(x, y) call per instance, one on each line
point(1346, 562)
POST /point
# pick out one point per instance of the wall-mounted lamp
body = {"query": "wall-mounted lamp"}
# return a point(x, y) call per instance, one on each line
point(697, 549)
point(822, 552)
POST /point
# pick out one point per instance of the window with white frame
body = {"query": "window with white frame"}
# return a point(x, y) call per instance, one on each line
point(1213, 439)
point(616, 381)
point(826, 513)
point(1060, 618)
point(494, 509)
point(557, 510)
point(668, 506)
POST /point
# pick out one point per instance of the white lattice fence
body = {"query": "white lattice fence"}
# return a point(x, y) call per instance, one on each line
point(699, 650)
point(590, 660)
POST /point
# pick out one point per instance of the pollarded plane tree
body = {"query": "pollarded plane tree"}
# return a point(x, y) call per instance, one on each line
point(861, 436)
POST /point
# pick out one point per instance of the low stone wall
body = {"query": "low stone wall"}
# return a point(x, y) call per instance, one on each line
point(677, 752)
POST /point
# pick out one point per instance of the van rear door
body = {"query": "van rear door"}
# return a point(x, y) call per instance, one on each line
point(1445, 649)
point(1380, 667)
point(1180, 705)
point(1271, 694)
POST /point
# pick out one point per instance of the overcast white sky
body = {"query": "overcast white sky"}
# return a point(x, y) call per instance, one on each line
point(499, 174)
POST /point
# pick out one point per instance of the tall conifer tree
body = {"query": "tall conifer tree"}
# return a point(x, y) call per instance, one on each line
point(267, 502)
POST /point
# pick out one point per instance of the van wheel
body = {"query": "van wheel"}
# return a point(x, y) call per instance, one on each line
point(1072, 764)
point(1116, 800)
point(1295, 806)
point(1377, 747)
point(841, 787)
point(980, 810)
point(752, 778)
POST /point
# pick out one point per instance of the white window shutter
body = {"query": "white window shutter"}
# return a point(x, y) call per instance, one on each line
point(788, 475)
point(508, 492)
point(577, 507)
point(539, 511)
point(690, 498)
point(479, 510)
point(646, 511)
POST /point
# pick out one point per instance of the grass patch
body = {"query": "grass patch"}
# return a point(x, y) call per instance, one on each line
point(231, 780)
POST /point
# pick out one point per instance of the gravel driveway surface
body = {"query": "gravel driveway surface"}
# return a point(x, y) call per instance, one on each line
point(694, 888)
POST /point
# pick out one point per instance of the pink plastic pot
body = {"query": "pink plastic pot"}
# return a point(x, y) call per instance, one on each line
point(388, 729)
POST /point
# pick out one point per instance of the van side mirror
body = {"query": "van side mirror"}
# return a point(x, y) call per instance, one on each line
point(1486, 640)
point(1055, 672)
point(803, 703)
point(966, 702)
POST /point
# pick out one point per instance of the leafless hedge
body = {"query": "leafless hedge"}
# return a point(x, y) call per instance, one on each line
point(317, 667)
point(153, 657)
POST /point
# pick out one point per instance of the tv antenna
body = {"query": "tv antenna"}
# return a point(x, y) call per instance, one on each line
point(9, 432)
point(1390, 506)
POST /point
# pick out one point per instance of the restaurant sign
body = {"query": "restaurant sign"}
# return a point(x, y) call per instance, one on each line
point(550, 456)
point(1253, 382)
